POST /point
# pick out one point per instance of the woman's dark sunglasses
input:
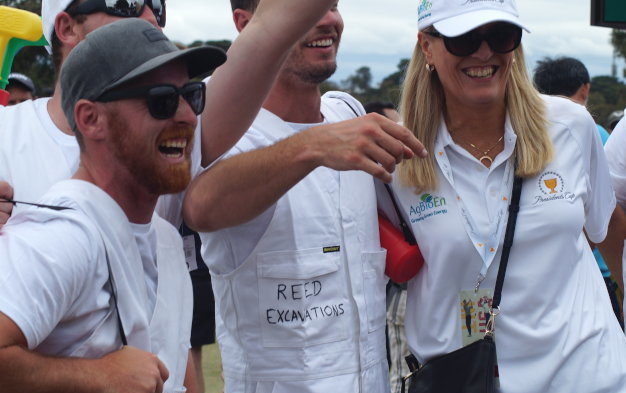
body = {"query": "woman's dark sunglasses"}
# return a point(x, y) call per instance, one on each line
point(501, 38)
point(122, 8)
point(162, 100)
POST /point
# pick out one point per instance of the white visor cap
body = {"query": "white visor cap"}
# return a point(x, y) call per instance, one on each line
point(455, 17)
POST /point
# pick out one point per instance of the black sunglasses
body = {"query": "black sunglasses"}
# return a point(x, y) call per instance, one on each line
point(123, 8)
point(501, 38)
point(162, 100)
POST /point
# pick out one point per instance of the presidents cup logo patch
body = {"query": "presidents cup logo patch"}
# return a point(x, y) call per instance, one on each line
point(428, 206)
point(552, 187)
point(551, 183)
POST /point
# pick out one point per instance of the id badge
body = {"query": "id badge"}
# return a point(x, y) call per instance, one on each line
point(474, 309)
point(189, 247)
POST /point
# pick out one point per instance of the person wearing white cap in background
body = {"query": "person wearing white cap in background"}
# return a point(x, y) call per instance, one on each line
point(468, 98)
point(20, 88)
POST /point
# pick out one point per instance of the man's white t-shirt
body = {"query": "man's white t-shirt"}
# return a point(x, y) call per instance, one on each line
point(55, 280)
point(66, 142)
point(145, 236)
point(72, 297)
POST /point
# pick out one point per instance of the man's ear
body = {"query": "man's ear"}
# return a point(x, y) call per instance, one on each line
point(586, 88)
point(66, 29)
point(241, 18)
point(90, 120)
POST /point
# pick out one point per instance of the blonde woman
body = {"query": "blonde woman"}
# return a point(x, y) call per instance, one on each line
point(468, 98)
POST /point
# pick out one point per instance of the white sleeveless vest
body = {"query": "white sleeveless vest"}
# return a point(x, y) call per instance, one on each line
point(309, 302)
point(166, 333)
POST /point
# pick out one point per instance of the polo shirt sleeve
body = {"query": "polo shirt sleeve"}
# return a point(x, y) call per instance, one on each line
point(600, 201)
point(43, 268)
point(615, 149)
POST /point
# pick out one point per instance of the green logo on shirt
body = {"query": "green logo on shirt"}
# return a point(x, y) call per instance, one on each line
point(429, 205)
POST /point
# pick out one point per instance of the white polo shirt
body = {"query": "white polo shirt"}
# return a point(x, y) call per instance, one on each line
point(556, 331)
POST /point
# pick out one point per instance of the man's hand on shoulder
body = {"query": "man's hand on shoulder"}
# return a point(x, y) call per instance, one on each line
point(371, 143)
point(6, 192)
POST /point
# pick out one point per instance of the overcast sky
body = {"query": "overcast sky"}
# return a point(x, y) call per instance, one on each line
point(380, 33)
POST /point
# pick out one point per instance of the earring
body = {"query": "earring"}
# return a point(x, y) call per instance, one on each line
point(430, 67)
point(514, 60)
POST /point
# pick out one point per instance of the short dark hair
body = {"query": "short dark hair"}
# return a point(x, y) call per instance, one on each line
point(561, 76)
point(378, 107)
point(248, 5)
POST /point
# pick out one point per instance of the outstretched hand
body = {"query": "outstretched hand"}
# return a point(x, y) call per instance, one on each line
point(372, 143)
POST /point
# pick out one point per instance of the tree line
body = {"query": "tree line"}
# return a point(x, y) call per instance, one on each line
point(608, 93)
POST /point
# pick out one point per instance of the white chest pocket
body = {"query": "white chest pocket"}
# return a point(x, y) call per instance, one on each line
point(302, 298)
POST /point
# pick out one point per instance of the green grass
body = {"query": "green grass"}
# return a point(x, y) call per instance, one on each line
point(212, 369)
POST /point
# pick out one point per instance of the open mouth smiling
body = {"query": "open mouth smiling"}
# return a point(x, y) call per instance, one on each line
point(173, 148)
point(480, 72)
point(321, 43)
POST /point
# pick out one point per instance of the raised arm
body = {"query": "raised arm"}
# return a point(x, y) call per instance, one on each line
point(238, 88)
point(247, 184)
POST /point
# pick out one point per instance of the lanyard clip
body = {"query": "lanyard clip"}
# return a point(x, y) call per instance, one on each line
point(479, 281)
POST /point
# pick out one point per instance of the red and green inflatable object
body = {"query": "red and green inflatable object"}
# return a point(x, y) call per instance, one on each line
point(18, 28)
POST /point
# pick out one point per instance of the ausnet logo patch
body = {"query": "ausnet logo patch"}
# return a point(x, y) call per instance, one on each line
point(428, 206)
point(499, 2)
point(423, 10)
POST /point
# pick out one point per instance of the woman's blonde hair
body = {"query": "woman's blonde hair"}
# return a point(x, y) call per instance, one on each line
point(422, 106)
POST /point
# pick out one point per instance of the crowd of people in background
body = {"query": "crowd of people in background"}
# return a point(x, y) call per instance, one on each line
point(147, 210)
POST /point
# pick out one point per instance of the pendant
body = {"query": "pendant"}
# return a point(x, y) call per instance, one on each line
point(486, 158)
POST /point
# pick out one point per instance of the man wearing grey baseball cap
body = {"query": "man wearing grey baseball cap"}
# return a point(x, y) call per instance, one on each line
point(80, 276)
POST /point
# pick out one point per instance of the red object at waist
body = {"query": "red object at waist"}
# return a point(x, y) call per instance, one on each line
point(4, 97)
point(403, 260)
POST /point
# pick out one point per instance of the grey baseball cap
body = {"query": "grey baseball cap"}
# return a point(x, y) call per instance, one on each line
point(117, 53)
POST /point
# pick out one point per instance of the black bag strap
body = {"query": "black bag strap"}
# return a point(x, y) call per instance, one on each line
point(114, 297)
point(356, 114)
point(508, 240)
point(406, 230)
